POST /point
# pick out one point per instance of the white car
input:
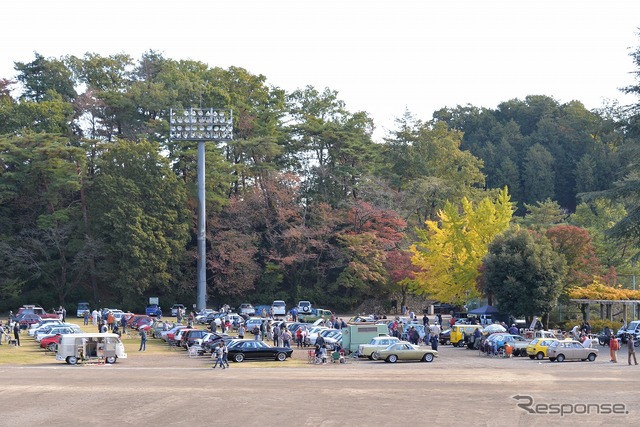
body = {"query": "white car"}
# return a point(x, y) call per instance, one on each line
point(376, 343)
point(331, 337)
point(304, 307)
point(203, 315)
point(42, 325)
point(248, 309)
point(312, 336)
point(174, 309)
point(67, 329)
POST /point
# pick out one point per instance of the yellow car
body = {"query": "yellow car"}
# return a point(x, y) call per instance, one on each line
point(537, 349)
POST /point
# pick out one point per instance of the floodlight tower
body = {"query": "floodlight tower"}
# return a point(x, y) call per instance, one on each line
point(201, 125)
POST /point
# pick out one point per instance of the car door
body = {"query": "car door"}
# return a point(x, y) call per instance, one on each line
point(405, 352)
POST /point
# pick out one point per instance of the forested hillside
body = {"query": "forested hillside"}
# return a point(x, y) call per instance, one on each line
point(96, 203)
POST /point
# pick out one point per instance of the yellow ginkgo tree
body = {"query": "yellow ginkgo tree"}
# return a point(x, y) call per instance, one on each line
point(450, 251)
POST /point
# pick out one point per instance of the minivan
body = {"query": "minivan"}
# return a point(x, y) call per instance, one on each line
point(76, 348)
point(82, 307)
point(459, 332)
point(278, 308)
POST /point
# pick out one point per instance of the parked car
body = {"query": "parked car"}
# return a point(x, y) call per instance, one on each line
point(82, 307)
point(518, 343)
point(51, 343)
point(278, 308)
point(203, 315)
point(537, 348)
point(246, 308)
point(461, 331)
point(65, 329)
point(171, 333)
point(189, 338)
point(405, 351)
point(174, 309)
point(304, 307)
point(240, 350)
point(36, 309)
point(571, 350)
point(42, 324)
point(377, 343)
point(27, 319)
point(445, 337)
point(633, 328)
point(153, 310)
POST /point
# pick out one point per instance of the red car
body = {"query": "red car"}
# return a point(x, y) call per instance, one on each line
point(139, 320)
point(51, 343)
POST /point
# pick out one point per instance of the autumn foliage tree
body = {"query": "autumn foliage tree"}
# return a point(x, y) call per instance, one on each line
point(449, 252)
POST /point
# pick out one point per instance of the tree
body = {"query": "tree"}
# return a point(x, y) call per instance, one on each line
point(524, 273)
point(138, 211)
point(538, 177)
point(574, 243)
point(598, 216)
point(450, 250)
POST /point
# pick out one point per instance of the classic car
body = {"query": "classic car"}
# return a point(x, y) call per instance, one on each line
point(376, 343)
point(240, 350)
point(571, 350)
point(405, 351)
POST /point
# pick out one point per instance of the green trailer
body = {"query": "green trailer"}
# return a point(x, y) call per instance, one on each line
point(354, 335)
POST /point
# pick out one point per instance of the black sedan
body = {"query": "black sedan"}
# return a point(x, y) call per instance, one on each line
point(240, 350)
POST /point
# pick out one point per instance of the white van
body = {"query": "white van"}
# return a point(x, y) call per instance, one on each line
point(278, 308)
point(76, 348)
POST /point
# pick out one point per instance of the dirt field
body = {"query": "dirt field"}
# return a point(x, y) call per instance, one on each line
point(458, 388)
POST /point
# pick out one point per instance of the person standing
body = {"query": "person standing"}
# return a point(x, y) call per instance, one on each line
point(241, 331)
point(123, 324)
point(1, 332)
point(276, 335)
point(64, 314)
point(85, 314)
point(143, 340)
point(631, 349)
point(94, 317)
point(16, 332)
point(614, 346)
point(286, 338)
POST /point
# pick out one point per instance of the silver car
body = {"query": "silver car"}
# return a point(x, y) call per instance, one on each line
point(571, 350)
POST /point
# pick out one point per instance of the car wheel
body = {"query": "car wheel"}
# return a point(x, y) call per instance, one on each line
point(281, 357)
point(540, 355)
point(460, 344)
point(592, 357)
point(392, 358)
point(560, 358)
point(532, 357)
point(72, 360)
point(305, 309)
point(428, 357)
point(374, 356)
point(238, 357)
point(110, 360)
point(53, 347)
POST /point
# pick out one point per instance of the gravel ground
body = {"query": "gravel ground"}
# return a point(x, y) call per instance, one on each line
point(169, 388)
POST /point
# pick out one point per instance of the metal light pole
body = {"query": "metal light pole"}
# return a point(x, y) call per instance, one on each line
point(201, 125)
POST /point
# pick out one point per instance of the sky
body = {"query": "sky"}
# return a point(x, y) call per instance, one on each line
point(381, 57)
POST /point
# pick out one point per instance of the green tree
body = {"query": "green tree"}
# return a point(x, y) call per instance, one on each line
point(524, 273)
point(137, 210)
point(538, 177)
